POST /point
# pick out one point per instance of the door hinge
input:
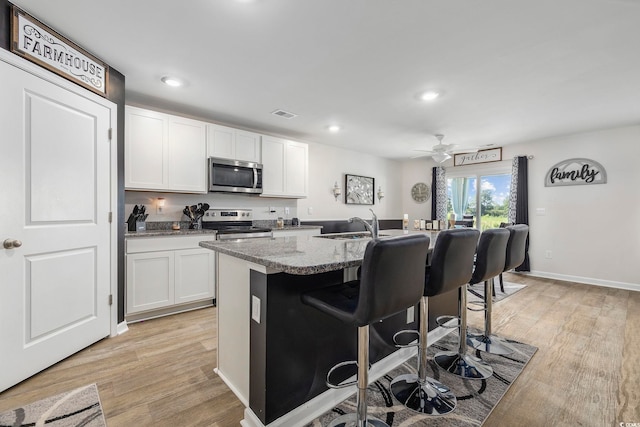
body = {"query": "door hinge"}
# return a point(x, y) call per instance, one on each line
point(110, 133)
point(110, 299)
point(110, 216)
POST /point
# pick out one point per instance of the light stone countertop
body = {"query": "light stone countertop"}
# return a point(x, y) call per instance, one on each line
point(297, 227)
point(303, 255)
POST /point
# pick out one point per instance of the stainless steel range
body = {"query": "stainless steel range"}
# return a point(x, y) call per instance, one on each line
point(233, 224)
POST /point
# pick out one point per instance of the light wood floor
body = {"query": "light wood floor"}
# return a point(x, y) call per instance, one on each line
point(585, 372)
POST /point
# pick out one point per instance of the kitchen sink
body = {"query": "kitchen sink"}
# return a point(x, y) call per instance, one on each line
point(349, 236)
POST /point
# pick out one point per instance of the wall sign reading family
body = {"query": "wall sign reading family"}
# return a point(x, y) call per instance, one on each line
point(36, 42)
point(575, 172)
point(481, 156)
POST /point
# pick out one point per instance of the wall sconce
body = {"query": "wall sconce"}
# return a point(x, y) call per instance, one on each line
point(160, 205)
point(336, 191)
point(380, 194)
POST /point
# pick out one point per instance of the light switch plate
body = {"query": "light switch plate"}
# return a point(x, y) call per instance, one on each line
point(255, 308)
point(411, 315)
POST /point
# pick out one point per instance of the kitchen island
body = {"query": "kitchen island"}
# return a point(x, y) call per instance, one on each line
point(273, 351)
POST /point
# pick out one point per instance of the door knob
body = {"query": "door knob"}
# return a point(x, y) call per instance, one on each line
point(11, 243)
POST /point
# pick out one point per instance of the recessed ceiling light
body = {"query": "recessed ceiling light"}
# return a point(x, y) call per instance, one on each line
point(171, 81)
point(429, 95)
point(334, 128)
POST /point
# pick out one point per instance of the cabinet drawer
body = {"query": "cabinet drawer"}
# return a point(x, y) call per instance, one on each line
point(154, 244)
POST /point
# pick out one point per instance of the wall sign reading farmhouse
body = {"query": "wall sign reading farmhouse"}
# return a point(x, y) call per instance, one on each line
point(482, 156)
point(575, 172)
point(38, 43)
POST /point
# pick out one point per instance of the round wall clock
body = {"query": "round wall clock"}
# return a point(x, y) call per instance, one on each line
point(420, 192)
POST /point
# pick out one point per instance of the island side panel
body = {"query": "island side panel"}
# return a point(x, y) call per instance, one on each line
point(234, 311)
point(294, 345)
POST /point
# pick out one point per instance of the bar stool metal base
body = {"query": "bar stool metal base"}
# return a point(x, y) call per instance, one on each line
point(431, 398)
point(463, 365)
point(351, 420)
point(490, 344)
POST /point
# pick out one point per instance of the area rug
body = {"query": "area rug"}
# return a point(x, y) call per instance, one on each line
point(77, 408)
point(476, 398)
point(475, 293)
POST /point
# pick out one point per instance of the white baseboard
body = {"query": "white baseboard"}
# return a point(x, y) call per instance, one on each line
point(233, 388)
point(584, 280)
point(322, 403)
point(122, 328)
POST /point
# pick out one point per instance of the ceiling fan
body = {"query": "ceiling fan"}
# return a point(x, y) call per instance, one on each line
point(441, 152)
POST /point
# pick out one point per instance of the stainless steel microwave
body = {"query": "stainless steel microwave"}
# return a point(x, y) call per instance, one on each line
point(234, 176)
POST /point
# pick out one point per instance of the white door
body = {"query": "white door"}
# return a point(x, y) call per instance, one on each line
point(55, 200)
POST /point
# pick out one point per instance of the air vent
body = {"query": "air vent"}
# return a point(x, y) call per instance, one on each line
point(285, 114)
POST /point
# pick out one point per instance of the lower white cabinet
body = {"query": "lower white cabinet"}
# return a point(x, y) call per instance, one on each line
point(167, 272)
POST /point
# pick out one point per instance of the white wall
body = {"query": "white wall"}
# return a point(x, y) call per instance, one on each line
point(592, 231)
point(329, 164)
point(414, 171)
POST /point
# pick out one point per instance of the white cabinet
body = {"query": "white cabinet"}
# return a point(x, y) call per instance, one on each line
point(285, 168)
point(166, 273)
point(235, 144)
point(164, 152)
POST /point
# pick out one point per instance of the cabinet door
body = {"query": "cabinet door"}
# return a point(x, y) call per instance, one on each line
point(220, 142)
point(187, 155)
point(150, 280)
point(273, 152)
point(146, 149)
point(247, 146)
point(296, 169)
point(194, 275)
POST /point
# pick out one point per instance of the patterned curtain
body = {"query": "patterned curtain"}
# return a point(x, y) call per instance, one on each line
point(438, 194)
point(519, 201)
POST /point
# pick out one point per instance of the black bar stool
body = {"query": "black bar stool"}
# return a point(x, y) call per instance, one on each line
point(392, 279)
point(450, 269)
point(516, 248)
point(490, 259)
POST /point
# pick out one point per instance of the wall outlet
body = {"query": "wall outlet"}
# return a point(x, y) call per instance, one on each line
point(548, 254)
point(255, 308)
point(286, 210)
point(541, 211)
point(310, 211)
point(411, 315)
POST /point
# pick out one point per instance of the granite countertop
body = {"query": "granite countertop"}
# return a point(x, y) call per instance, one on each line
point(303, 255)
point(167, 233)
point(297, 227)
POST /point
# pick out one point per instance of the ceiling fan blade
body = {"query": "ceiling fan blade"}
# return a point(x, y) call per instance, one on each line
point(420, 155)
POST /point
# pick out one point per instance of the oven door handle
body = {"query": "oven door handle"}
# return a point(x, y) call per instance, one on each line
point(255, 177)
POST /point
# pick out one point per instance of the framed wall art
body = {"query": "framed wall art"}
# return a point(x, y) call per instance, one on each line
point(359, 190)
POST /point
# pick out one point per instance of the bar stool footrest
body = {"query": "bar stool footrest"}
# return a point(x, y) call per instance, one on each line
point(404, 332)
point(340, 365)
point(443, 320)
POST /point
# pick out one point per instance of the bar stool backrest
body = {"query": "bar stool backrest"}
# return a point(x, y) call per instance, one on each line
point(490, 254)
point(392, 277)
point(452, 261)
point(516, 245)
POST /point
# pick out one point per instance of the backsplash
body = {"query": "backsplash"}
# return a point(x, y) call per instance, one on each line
point(174, 204)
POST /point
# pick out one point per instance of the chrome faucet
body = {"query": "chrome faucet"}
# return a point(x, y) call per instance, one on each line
point(374, 228)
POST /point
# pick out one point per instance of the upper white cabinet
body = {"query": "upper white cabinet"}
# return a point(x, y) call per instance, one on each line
point(164, 152)
point(285, 168)
point(229, 143)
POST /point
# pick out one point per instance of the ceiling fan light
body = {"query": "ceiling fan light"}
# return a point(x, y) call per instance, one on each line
point(440, 157)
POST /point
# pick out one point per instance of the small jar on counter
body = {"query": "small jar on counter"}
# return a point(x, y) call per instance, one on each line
point(280, 223)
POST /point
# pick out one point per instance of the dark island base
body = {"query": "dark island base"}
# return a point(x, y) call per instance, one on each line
point(294, 345)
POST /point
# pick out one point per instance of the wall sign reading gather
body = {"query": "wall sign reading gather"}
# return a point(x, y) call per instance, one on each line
point(481, 156)
point(575, 172)
point(36, 42)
